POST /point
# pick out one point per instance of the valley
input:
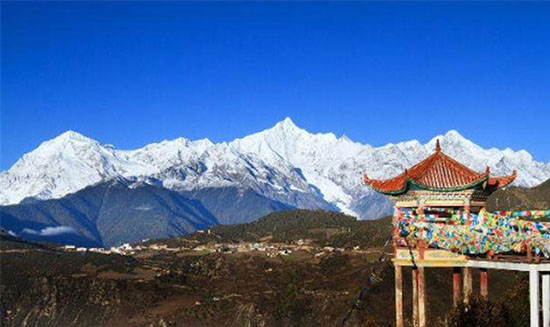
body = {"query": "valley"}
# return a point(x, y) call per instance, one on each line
point(295, 268)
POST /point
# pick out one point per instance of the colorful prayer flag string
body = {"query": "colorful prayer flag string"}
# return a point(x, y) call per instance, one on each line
point(484, 232)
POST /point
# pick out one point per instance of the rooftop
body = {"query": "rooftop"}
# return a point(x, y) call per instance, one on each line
point(438, 172)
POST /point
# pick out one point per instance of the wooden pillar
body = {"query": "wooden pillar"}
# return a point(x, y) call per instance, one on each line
point(467, 273)
point(483, 283)
point(546, 299)
point(467, 207)
point(421, 298)
point(456, 285)
point(534, 297)
point(415, 296)
point(398, 296)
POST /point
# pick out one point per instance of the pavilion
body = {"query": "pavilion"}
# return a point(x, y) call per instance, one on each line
point(440, 221)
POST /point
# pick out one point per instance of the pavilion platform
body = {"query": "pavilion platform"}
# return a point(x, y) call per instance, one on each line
point(538, 269)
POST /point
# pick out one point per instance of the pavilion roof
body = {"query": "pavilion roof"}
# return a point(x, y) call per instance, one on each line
point(438, 172)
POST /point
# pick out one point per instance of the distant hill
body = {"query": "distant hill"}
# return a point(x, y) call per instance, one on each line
point(107, 214)
point(231, 205)
point(11, 242)
point(120, 211)
point(325, 228)
point(512, 198)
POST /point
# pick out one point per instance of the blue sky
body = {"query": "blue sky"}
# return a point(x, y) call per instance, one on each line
point(130, 73)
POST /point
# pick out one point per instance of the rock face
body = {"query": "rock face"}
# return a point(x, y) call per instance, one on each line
point(282, 167)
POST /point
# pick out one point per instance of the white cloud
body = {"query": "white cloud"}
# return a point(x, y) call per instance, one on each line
point(143, 208)
point(50, 231)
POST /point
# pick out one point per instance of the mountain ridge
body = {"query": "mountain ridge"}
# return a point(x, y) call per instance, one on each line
point(283, 163)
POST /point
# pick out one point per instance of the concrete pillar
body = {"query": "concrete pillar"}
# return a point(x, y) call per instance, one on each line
point(415, 296)
point(483, 283)
point(467, 273)
point(456, 285)
point(398, 296)
point(546, 299)
point(534, 297)
point(421, 298)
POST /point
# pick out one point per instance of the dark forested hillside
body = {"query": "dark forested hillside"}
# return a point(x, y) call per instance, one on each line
point(107, 214)
point(324, 228)
point(231, 205)
point(515, 197)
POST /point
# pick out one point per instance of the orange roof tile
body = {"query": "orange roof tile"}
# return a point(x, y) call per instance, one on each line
point(438, 172)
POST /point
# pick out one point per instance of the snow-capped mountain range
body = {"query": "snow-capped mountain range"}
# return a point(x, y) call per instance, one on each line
point(284, 163)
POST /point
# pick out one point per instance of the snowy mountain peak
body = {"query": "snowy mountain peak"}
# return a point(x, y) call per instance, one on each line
point(281, 163)
point(287, 123)
point(71, 136)
point(68, 145)
point(285, 127)
point(345, 138)
point(450, 140)
point(450, 136)
point(206, 142)
point(453, 133)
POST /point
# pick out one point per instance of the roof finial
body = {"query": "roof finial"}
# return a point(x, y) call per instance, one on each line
point(437, 146)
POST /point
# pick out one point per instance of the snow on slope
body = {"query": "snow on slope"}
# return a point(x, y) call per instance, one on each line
point(279, 163)
point(63, 165)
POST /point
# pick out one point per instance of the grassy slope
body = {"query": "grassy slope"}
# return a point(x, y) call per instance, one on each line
point(325, 228)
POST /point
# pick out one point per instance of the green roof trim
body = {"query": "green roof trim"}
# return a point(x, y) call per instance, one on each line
point(409, 182)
